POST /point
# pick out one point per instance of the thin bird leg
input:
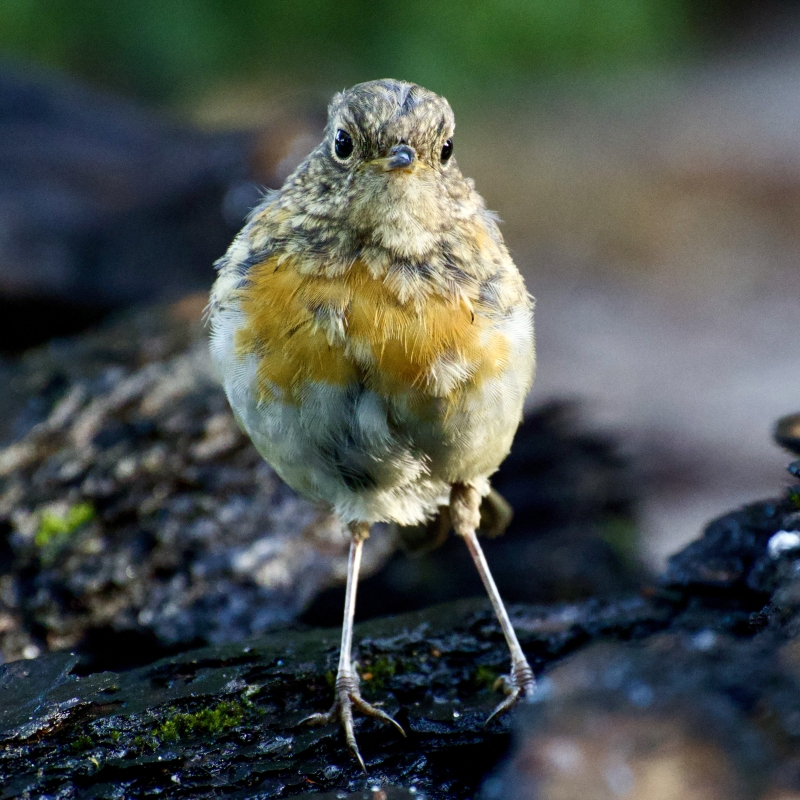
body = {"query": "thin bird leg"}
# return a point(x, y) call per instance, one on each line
point(358, 536)
point(348, 694)
point(465, 505)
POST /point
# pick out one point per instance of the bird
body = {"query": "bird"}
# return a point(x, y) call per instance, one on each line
point(375, 341)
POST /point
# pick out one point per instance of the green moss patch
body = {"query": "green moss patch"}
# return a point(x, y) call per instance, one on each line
point(485, 677)
point(55, 526)
point(212, 721)
point(378, 671)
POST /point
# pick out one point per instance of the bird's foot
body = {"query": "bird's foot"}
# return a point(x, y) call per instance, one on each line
point(348, 697)
point(519, 684)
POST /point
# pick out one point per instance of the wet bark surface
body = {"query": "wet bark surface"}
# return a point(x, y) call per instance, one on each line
point(227, 717)
point(696, 679)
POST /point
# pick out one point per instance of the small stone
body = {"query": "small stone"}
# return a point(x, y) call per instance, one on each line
point(783, 542)
point(704, 640)
point(126, 468)
point(787, 433)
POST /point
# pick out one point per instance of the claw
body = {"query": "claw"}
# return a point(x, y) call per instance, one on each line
point(354, 751)
point(348, 696)
point(502, 707)
point(323, 718)
point(365, 708)
point(504, 683)
point(519, 683)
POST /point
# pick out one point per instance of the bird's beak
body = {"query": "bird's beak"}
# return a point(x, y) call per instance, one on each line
point(401, 157)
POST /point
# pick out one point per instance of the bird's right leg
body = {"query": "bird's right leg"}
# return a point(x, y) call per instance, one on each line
point(465, 504)
point(348, 694)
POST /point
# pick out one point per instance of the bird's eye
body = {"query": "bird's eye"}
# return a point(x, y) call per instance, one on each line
point(343, 144)
point(447, 151)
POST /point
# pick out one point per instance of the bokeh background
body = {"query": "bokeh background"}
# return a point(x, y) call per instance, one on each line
point(643, 154)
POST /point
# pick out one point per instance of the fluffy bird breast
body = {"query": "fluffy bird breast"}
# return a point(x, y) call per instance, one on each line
point(354, 328)
point(375, 390)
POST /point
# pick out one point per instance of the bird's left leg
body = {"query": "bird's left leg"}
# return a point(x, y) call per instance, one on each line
point(348, 693)
point(465, 504)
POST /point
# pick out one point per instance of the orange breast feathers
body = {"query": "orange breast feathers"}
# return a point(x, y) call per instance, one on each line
point(353, 327)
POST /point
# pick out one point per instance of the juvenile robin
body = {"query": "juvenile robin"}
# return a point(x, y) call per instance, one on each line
point(375, 339)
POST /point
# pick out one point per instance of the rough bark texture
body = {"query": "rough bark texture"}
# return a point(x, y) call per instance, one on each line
point(692, 687)
point(226, 717)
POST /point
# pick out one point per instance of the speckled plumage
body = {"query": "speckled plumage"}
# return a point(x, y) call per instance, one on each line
point(373, 335)
point(375, 339)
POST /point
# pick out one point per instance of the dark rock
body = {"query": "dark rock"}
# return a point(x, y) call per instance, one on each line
point(787, 433)
point(662, 695)
point(706, 708)
point(106, 204)
point(700, 716)
point(732, 554)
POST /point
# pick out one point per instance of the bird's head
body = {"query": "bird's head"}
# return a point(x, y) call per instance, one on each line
point(385, 167)
point(392, 129)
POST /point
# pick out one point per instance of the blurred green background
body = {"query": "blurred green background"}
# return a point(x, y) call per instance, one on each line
point(170, 50)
